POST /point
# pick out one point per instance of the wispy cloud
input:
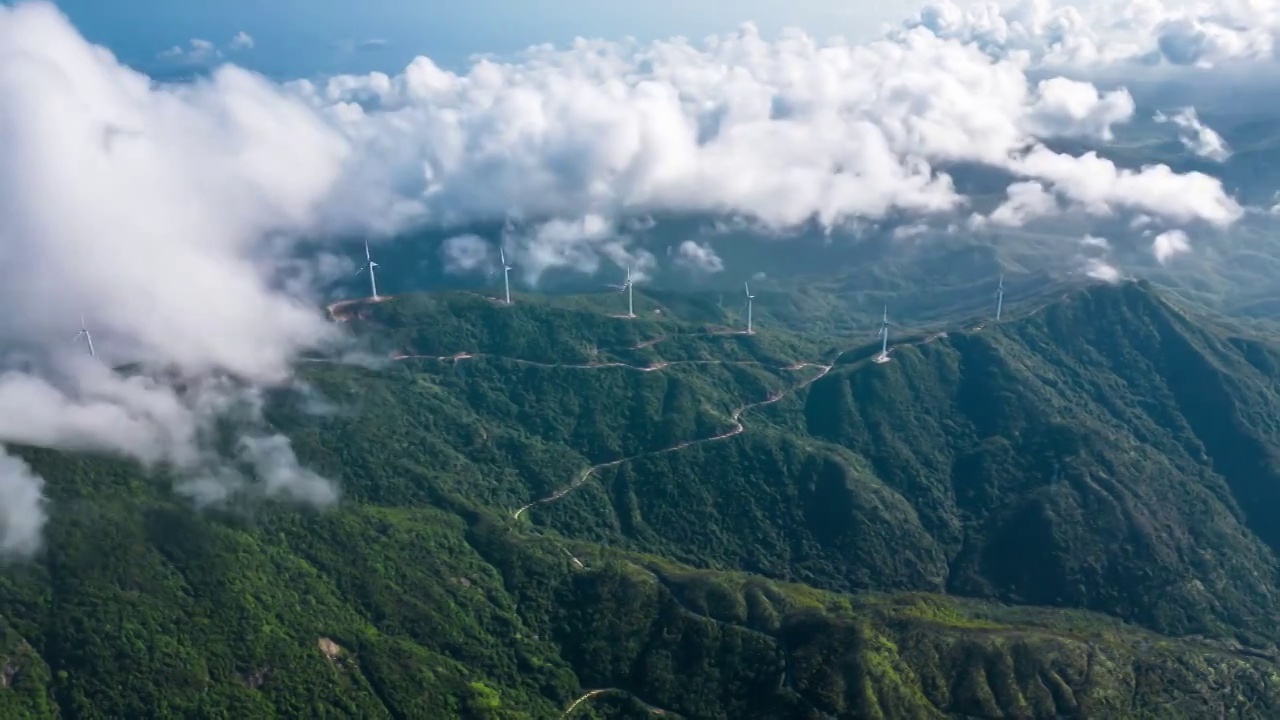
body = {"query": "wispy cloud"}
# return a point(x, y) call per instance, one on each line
point(1195, 135)
point(361, 45)
point(198, 52)
point(205, 52)
point(242, 41)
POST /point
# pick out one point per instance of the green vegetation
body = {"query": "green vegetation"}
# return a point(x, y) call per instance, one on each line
point(1069, 514)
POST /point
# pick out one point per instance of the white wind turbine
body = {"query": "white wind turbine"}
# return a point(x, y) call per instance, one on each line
point(88, 338)
point(750, 297)
point(369, 265)
point(506, 270)
point(627, 288)
point(1000, 297)
point(884, 335)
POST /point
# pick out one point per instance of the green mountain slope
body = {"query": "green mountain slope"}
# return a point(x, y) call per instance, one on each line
point(1107, 452)
point(1064, 515)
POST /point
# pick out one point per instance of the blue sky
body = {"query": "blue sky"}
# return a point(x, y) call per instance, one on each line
point(296, 38)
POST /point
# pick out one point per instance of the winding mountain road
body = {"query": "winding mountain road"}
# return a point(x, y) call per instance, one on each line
point(659, 365)
point(737, 429)
point(653, 710)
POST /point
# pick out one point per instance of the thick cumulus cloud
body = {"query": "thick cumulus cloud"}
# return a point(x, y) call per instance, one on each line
point(782, 132)
point(1069, 108)
point(1026, 201)
point(1094, 33)
point(161, 214)
point(1170, 244)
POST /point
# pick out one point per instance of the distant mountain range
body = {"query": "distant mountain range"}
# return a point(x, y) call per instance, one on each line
point(916, 265)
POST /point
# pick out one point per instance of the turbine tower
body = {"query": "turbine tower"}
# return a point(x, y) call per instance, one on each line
point(884, 337)
point(750, 297)
point(1000, 297)
point(370, 265)
point(88, 339)
point(506, 270)
point(631, 308)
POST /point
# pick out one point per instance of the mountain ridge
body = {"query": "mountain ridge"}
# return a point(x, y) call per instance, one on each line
point(1014, 520)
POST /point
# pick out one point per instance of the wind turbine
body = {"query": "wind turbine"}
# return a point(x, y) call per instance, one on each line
point(506, 270)
point(750, 297)
point(84, 333)
point(627, 286)
point(369, 265)
point(1000, 296)
point(884, 335)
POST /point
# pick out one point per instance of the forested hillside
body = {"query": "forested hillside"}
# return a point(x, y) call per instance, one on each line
point(548, 510)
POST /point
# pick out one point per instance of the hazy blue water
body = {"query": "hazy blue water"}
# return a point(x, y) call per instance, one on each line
point(299, 38)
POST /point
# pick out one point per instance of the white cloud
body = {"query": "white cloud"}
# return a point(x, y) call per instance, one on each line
point(1170, 244)
point(1101, 187)
point(699, 256)
point(778, 132)
point(277, 467)
point(1027, 201)
point(22, 508)
point(350, 45)
point(197, 52)
point(1067, 108)
point(910, 230)
point(466, 253)
point(1095, 255)
point(165, 214)
point(640, 261)
point(572, 244)
point(1195, 135)
point(1099, 269)
point(205, 52)
point(241, 41)
point(1093, 33)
